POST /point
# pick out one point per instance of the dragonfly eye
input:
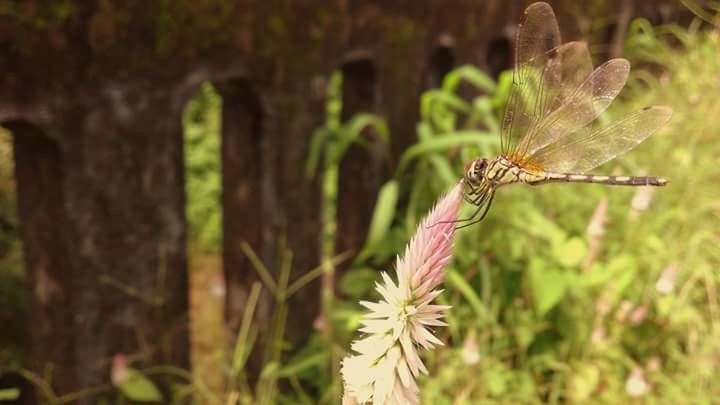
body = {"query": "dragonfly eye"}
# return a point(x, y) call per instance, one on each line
point(475, 170)
point(480, 166)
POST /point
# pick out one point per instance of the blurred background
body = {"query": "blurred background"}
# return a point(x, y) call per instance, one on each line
point(194, 195)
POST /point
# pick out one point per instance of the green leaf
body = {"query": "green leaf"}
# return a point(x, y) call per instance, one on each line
point(360, 121)
point(523, 385)
point(315, 150)
point(483, 110)
point(597, 276)
point(505, 82)
point(270, 370)
point(484, 140)
point(137, 387)
point(351, 133)
point(624, 269)
point(9, 394)
point(496, 382)
point(302, 364)
point(457, 281)
point(438, 99)
point(357, 282)
point(542, 227)
point(548, 286)
point(470, 73)
point(583, 382)
point(424, 131)
point(382, 216)
point(571, 252)
point(444, 170)
point(524, 335)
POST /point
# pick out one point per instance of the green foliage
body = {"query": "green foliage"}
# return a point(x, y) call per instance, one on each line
point(13, 303)
point(561, 315)
point(201, 122)
point(136, 387)
point(382, 218)
point(9, 394)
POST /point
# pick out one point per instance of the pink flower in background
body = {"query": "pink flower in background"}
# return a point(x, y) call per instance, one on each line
point(638, 315)
point(666, 282)
point(596, 233)
point(598, 223)
point(636, 385)
point(623, 311)
point(119, 369)
point(470, 352)
point(603, 305)
point(641, 201)
point(654, 364)
point(386, 360)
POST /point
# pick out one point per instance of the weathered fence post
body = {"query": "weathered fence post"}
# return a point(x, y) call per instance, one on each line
point(124, 202)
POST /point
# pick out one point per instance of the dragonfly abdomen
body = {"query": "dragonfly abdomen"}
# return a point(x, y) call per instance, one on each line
point(609, 180)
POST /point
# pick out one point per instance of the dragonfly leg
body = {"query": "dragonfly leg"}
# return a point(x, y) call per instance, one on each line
point(478, 201)
point(487, 208)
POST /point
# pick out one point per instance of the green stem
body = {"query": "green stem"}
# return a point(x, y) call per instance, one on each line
point(329, 231)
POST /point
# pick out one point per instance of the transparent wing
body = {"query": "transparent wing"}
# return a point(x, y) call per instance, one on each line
point(578, 109)
point(587, 150)
point(537, 34)
point(566, 70)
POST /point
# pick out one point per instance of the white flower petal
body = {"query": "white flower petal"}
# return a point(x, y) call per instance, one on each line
point(404, 373)
point(385, 380)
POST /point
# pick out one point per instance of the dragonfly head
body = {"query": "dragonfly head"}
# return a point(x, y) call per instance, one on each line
point(475, 171)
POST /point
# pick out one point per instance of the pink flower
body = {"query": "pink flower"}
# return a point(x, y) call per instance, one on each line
point(119, 369)
point(386, 360)
point(470, 353)
point(598, 223)
point(641, 201)
point(666, 282)
point(603, 306)
point(636, 385)
point(623, 311)
point(596, 232)
point(638, 315)
point(654, 364)
point(598, 335)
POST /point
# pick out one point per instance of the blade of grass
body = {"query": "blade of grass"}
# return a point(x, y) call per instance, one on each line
point(259, 266)
point(241, 343)
point(309, 276)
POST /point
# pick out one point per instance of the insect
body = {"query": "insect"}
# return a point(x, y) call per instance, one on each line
point(546, 136)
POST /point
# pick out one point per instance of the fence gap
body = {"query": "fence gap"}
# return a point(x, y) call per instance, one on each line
point(201, 127)
point(42, 261)
point(498, 56)
point(442, 61)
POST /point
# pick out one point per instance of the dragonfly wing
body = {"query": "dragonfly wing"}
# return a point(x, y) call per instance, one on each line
point(569, 67)
point(580, 108)
point(587, 150)
point(566, 68)
point(537, 33)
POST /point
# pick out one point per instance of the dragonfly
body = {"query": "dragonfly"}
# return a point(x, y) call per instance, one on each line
point(547, 134)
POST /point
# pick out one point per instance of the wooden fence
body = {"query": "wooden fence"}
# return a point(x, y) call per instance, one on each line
point(93, 94)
